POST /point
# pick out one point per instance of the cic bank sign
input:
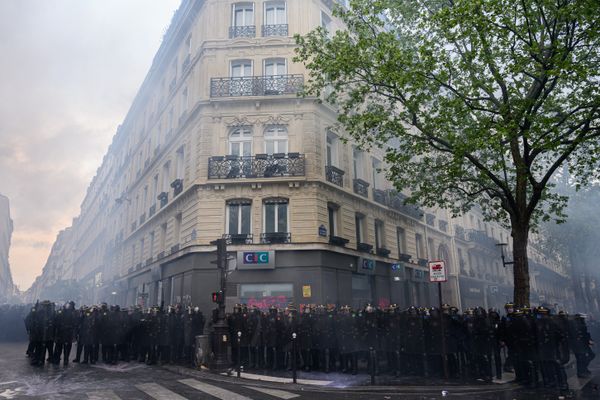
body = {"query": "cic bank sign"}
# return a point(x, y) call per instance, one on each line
point(255, 260)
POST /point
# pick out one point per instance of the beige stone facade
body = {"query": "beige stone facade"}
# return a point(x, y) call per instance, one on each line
point(218, 144)
point(7, 288)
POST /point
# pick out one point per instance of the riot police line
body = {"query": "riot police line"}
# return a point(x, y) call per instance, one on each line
point(533, 343)
point(111, 334)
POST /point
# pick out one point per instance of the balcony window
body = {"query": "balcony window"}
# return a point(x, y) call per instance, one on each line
point(240, 142)
point(401, 241)
point(276, 139)
point(332, 213)
point(275, 66)
point(359, 221)
point(241, 69)
point(358, 163)
point(419, 243)
point(275, 13)
point(377, 174)
point(332, 149)
point(379, 234)
point(238, 216)
point(276, 215)
point(242, 24)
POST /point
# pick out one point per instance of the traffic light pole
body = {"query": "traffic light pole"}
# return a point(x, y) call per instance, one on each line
point(221, 339)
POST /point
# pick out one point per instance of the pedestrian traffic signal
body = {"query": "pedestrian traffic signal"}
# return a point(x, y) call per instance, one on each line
point(217, 297)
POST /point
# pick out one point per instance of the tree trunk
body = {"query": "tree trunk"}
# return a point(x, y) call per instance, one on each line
point(520, 235)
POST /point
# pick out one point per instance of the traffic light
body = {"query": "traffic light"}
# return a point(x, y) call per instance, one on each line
point(217, 297)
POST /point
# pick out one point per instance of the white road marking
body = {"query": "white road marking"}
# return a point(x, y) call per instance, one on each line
point(213, 390)
point(158, 392)
point(282, 394)
point(103, 395)
point(8, 383)
point(268, 378)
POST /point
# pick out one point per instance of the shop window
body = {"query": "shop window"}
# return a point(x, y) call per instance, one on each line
point(265, 295)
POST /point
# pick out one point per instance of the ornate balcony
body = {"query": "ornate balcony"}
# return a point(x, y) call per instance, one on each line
point(163, 197)
point(383, 252)
point(175, 248)
point(397, 202)
point(275, 237)
point(422, 262)
point(275, 30)
point(259, 166)
point(338, 241)
point(256, 86)
point(380, 196)
point(334, 175)
point(238, 238)
point(242, 31)
point(404, 257)
point(361, 187)
point(177, 186)
point(364, 247)
point(481, 238)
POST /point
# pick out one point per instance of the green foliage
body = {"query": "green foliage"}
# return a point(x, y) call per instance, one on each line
point(474, 101)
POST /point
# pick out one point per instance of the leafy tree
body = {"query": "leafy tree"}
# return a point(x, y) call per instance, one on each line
point(474, 101)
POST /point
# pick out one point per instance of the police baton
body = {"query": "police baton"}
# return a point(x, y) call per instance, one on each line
point(294, 357)
point(239, 354)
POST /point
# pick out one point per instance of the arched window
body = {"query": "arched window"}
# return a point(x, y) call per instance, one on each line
point(276, 139)
point(240, 141)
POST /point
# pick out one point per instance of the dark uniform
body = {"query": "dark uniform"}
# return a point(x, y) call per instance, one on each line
point(65, 325)
point(580, 342)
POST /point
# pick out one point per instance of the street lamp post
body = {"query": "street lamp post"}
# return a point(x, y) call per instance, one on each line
point(221, 329)
point(504, 262)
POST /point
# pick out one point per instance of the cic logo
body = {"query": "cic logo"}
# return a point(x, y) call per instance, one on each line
point(258, 257)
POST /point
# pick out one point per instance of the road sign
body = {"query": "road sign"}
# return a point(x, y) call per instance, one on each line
point(437, 271)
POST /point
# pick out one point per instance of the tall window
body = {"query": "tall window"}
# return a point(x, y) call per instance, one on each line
point(238, 216)
point(241, 68)
point(275, 66)
point(420, 248)
point(359, 221)
point(154, 188)
point(163, 236)
point(357, 163)
point(325, 21)
point(240, 142)
point(332, 211)
point(401, 240)
point(379, 234)
point(179, 166)
point(166, 174)
point(377, 175)
point(332, 149)
point(276, 215)
point(243, 14)
point(184, 100)
point(275, 13)
point(276, 139)
point(151, 246)
point(177, 229)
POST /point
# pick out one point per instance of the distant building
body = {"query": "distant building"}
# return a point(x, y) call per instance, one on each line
point(217, 144)
point(7, 288)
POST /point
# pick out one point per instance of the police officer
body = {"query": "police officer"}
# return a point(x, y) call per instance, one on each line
point(581, 344)
point(65, 322)
point(549, 340)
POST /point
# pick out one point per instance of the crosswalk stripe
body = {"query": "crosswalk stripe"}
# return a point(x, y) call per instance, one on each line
point(213, 390)
point(282, 394)
point(158, 392)
point(103, 395)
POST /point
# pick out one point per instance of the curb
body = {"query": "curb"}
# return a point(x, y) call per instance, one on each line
point(434, 389)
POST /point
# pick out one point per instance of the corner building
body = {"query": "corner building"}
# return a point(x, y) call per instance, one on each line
point(217, 144)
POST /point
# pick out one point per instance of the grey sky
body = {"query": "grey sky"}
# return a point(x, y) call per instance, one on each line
point(68, 73)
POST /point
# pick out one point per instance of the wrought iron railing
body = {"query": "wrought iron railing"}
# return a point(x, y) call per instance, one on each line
point(256, 85)
point(380, 196)
point(177, 186)
point(382, 251)
point(275, 30)
point(397, 202)
point(361, 187)
point(163, 197)
point(334, 175)
point(275, 237)
point(259, 166)
point(238, 238)
point(364, 247)
point(242, 31)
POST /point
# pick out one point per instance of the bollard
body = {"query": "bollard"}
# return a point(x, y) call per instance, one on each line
point(372, 362)
point(294, 357)
point(239, 354)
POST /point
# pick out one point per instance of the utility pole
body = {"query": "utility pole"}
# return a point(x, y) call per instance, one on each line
point(221, 329)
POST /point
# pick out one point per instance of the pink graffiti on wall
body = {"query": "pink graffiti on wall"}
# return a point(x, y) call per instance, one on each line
point(384, 302)
point(268, 301)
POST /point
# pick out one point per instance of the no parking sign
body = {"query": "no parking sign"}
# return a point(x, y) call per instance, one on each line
point(437, 271)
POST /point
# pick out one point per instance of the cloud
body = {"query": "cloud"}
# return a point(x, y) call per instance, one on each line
point(69, 72)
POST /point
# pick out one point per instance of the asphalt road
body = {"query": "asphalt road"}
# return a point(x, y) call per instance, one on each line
point(129, 381)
